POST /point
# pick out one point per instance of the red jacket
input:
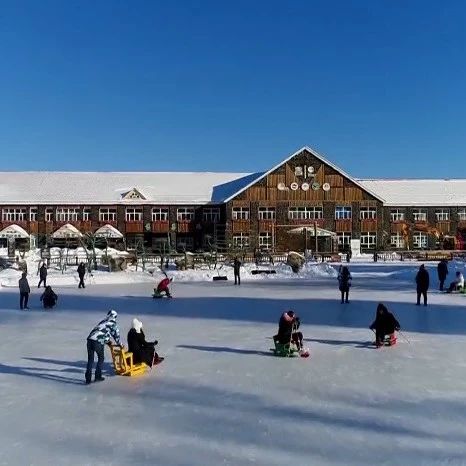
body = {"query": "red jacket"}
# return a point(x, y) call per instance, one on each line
point(163, 285)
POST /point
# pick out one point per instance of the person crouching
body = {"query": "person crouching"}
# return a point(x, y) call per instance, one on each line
point(49, 298)
point(287, 326)
point(143, 351)
point(384, 324)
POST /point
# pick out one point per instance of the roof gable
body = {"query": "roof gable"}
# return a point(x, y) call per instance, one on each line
point(133, 194)
point(317, 156)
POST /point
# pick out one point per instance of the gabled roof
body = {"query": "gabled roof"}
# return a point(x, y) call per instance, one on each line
point(318, 156)
point(418, 193)
point(67, 231)
point(109, 231)
point(14, 231)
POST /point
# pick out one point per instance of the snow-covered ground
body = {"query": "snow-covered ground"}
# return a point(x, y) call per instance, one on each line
point(220, 397)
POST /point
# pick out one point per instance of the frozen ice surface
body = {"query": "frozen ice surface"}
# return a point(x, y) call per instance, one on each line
point(220, 397)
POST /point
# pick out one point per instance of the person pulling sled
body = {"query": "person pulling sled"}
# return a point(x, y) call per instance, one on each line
point(384, 325)
point(162, 288)
point(288, 340)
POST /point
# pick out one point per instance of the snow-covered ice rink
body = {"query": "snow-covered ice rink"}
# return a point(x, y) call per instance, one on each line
point(220, 397)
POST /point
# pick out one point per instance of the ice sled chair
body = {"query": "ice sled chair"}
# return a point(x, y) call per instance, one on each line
point(123, 362)
point(284, 350)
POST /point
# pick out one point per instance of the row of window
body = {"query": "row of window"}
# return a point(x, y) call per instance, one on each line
point(106, 214)
point(420, 215)
point(303, 213)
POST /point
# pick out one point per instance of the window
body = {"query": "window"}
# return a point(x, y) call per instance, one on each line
point(344, 241)
point(462, 214)
point(368, 240)
point(342, 212)
point(420, 240)
point(211, 214)
point(442, 215)
point(265, 240)
point(185, 213)
point(241, 240)
point(419, 215)
point(107, 215)
point(397, 215)
point(305, 213)
point(367, 213)
point(184, 243)
point(33, 214)
point(397, 241)
point(240, 213)
point(48, 215)
point(161, 245)
point(14, 215)
point(266, 213)
point(133, 214)
point(159, 215)
point(64, 214)
point(86, 214)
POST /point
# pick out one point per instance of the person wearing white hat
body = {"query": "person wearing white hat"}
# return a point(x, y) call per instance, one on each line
point(143, 351)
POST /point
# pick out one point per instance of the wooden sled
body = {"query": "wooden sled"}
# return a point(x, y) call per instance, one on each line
point(123, 362)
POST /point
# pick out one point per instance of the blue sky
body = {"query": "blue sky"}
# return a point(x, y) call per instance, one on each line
point(379, 87)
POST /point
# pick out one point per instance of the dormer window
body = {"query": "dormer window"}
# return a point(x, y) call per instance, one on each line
point(133, 194)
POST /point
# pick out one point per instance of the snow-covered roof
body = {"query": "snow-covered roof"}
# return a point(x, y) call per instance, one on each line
point(67, 231)
point(68, 188)
point(415, 192)
point(109, 231)
point(14, 231)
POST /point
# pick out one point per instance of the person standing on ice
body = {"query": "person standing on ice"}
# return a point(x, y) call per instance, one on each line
point(287, 326)
point(344, 283)
point(236, 270)
point(384, 324)
point(442, 272)
point(100, 335)
point(42, 275)
point(422, 284)
point(81, 273)
point(24, 291)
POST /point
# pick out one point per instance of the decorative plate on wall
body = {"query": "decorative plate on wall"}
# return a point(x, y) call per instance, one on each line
point(326, 187)
point(315, 186)
point(305, 186)
point(281, 187)
point(310, 170)
point(294, 186)
point(298, 171)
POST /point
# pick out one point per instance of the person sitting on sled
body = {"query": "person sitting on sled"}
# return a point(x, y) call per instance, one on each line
point(162, 287)
point(384, 324)
point(143, 351)
point(457, 284)
point(49, 298)
point(287, 330)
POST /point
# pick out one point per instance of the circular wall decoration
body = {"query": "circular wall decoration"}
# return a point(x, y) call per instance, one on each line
point(294, 186)
point(326, 187)
point(281, 186)
point(315, 186)
point(310, 170)
point(305, 186)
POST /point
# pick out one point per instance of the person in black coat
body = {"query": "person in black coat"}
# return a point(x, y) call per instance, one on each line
point(422, 284)
point(81, 273)
point(49, 298)
point(236, 270)
point(143, 351)
point(384, 324)
point(42, 276)
point(287, 330)
point(442, 271)
point(344, 283)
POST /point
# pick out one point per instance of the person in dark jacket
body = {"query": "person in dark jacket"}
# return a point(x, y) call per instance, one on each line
point(162, 287)
point(344, 283)
point(24, 291)
point(236, 270)
point(81, 273)
point(49, 298)
point(100, 335)
point(287, 330)
point(384, 324)
point(143, 351)
point(442, 271)
point(422, 284)
point(42, 276)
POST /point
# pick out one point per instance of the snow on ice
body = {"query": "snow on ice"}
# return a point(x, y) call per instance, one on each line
point(220, 397)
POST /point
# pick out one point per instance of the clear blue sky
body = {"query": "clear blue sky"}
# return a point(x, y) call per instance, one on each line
point(379, 87)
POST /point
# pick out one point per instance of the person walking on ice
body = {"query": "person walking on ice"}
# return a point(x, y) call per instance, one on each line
point(81, 273)
point(422, 285)
point(236, 270)
point(42, 275)
point(100, 335)
point(344, 283)
point(442, 272)
point(24, 290)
